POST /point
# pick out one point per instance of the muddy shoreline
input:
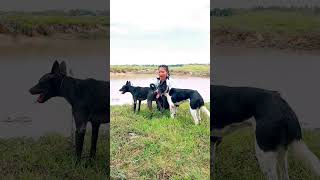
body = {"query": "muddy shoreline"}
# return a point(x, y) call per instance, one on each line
point(116, 73)
point(265, 40)
point(133, 73)
point(137, 75)
point(58, 46)
point(52, 30)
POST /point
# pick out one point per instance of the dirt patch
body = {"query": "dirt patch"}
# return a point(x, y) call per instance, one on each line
point(271, 40)
point(176, 73)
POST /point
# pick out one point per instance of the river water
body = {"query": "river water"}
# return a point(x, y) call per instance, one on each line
point(294, 73)
point(22, 65)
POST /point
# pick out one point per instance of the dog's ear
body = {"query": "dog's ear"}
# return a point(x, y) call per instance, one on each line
point(55, 68)
point(63, 68)
point(127, 82)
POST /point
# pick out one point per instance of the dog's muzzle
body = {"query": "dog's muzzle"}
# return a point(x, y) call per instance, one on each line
point(35, 90)
point(158, 94)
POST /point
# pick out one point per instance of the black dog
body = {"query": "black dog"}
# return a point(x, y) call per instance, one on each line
point(89, 99)
point(275, 124)
point(141, 94)
point(177, 96)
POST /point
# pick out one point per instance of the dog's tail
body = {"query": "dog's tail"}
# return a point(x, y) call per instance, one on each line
point(205, 110)
point(303, 153)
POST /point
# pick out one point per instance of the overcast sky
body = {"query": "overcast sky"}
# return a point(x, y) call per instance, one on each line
point(41, 5)
point(160, 32)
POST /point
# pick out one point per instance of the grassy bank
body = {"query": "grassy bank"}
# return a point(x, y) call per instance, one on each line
point(202, 70)
point(276, 28)
point(158, 147)
point(236, 158)
point(50, 157)
point(46, 24)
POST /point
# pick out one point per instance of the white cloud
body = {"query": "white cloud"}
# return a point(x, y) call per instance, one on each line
point(155, 15)
point(154, 25)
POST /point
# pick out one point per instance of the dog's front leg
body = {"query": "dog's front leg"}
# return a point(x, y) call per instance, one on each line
point(134, 105)
point(80, 133)
point(173, 112)
point(149, 101)
point(94, 139)
point(214, 143)
point(212, 159)
point(150, 98)
point(139, 105)
point(159, 103)
point(194, 115)
point(161, 108)
point(81, 124)
point(171, 105)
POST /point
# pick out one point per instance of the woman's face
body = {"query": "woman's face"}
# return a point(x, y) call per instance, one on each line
point(163, 73)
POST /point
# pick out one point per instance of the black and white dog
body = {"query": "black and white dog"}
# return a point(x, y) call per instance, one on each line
point(275, 124)
point(177, 96)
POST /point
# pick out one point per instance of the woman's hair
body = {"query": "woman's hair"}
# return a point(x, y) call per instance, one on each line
point(166, 68)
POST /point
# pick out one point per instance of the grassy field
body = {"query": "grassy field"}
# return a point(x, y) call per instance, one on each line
point(159, 147)
point(33, 24)
point(236, 158)
point(51, 157)
point(202, 70)
point(269, 27)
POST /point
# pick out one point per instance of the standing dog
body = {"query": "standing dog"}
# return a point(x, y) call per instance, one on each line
point(177, 96)
point(275, 124)
point(89, 99)
point(141, 94)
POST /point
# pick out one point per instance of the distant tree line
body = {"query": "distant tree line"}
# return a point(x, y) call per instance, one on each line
point(73, 12)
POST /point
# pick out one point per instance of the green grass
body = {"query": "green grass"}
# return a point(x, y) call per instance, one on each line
point(35, 20)
point(31, 24)
point(281, 29)
point(270, 21)
point(163, 148)
point(236, 157)
point(188, 69)
point(51, 157)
